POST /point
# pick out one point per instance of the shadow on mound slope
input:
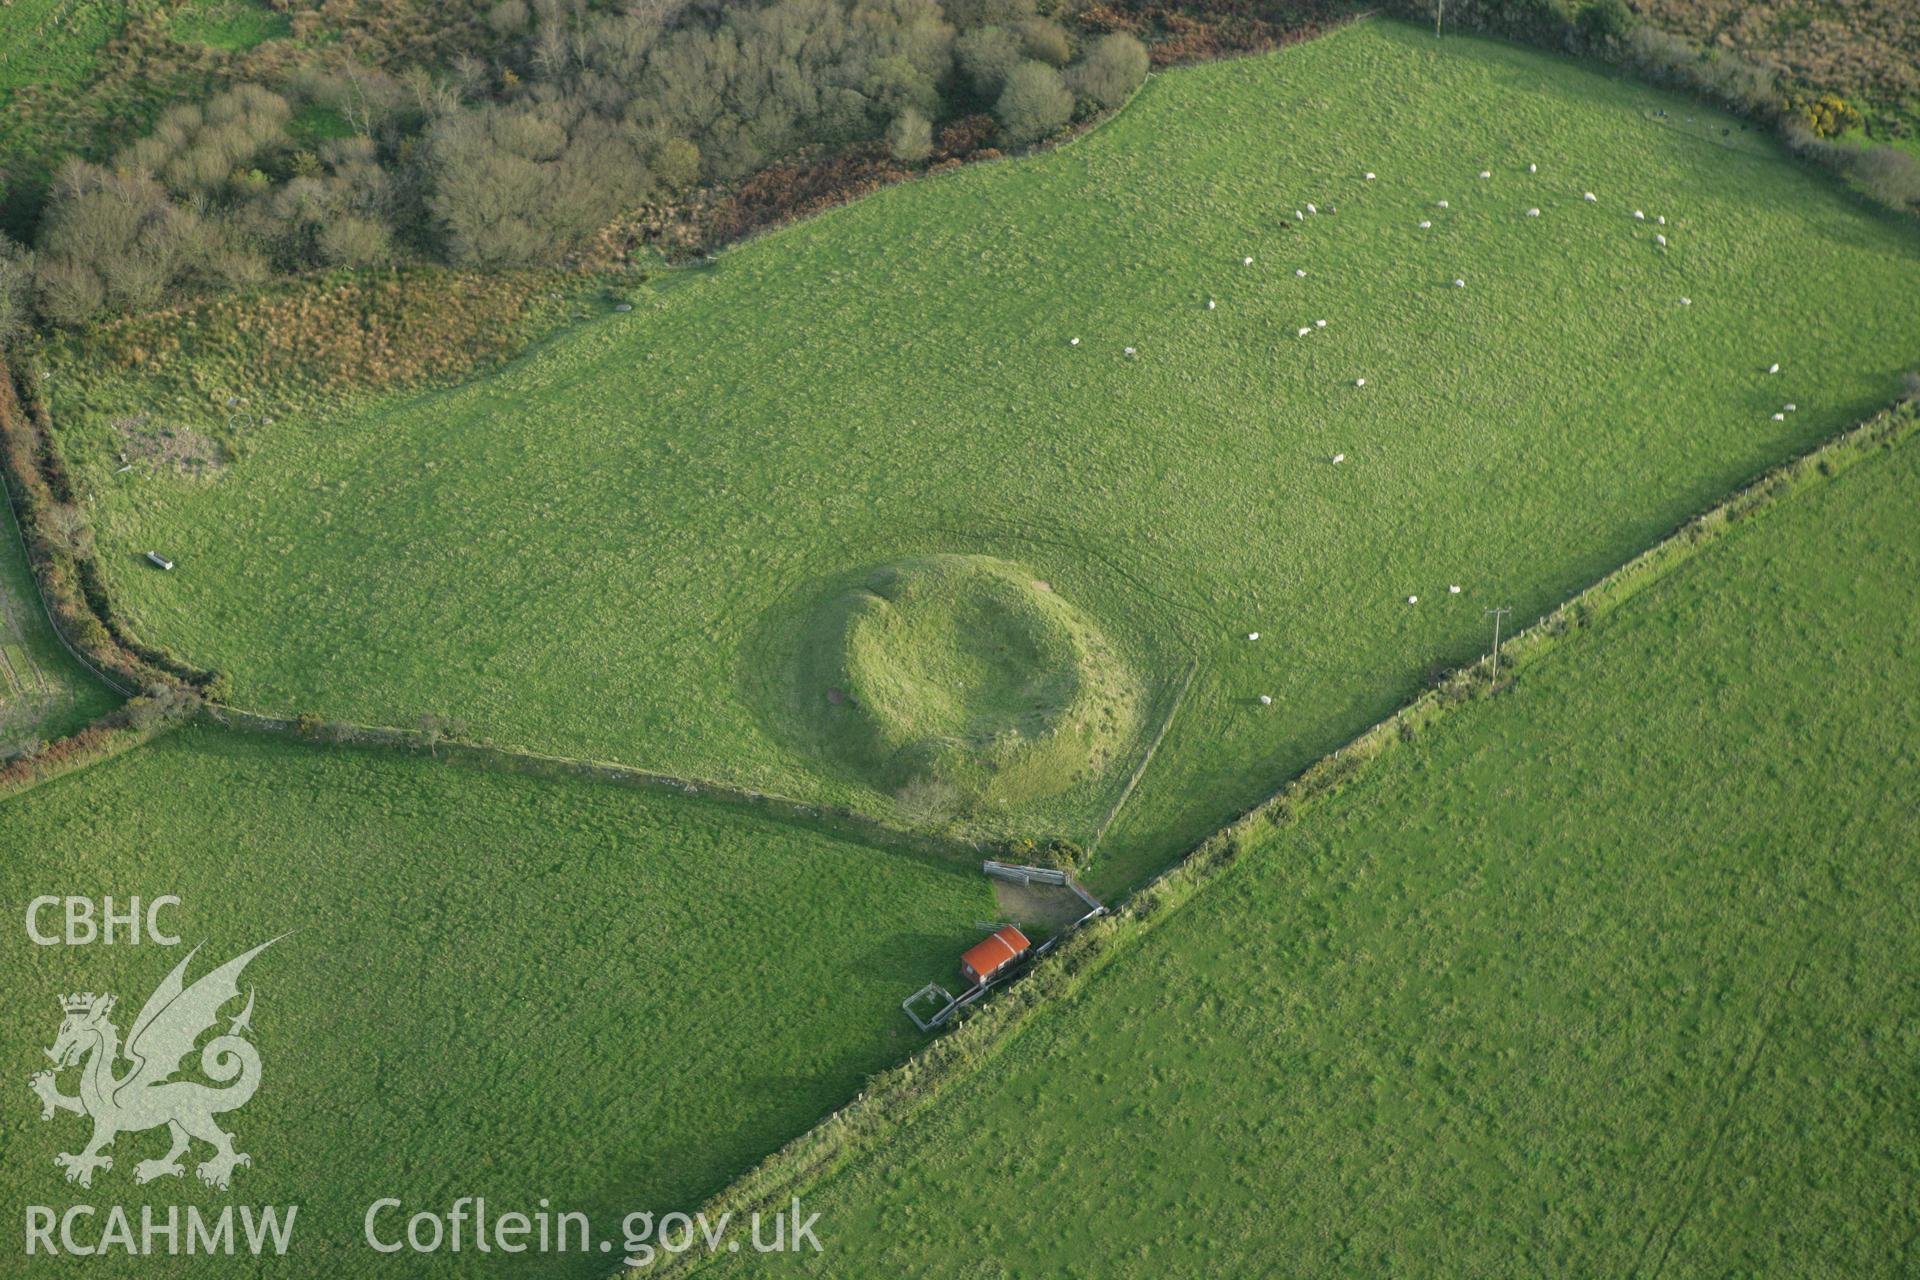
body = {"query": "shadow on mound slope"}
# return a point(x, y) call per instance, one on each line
point(961, 685)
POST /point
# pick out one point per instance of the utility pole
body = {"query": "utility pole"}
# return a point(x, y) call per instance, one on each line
point(1439, 11)
point(1498, 614)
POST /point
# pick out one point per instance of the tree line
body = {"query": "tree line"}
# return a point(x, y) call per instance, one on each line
point(517, 159)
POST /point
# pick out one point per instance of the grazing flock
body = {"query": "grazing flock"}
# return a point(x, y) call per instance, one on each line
point(1311, 209)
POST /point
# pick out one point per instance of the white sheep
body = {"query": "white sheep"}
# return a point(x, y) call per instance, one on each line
point(1533, 213)
point(1590, 198)
point(1458, 283)
point(1299, 216)
point(1660, 240)
point(1773, 368)
point(1369, 177)
point(1359, 382)
point(1246, 262)
point(1793, 408)
point(1413, 599)
point(1210, 304)
point(1311, 209)
point(1779, 417)
point(1533, 168)
point(1130, 351)
point(1639, 216)
point(1339, 458)
point(1253, 635)
point(1454, 590)
point(1486, 173)
point(1319, 324)
point(1440, 204)
point(1073, 342)
point(1265, 701)
point(1301, 272)
point(1304, 331)
point(1663, 219)
point(1424, 224)
point(1686, 302)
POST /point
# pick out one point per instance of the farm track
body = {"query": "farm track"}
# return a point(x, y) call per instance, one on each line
point(1729, 1114)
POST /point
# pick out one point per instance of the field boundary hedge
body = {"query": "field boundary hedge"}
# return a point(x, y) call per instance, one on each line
point(892, 1097)
point(66, 574)
point(836, 820)
point(134, 723)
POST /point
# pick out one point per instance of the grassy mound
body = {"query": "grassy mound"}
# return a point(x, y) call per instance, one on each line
point(574, 552)
point(962, 683)
point(1609, 975)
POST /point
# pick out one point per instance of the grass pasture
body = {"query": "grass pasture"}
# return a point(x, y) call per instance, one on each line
point(53, 41)
point(44, 693)
point(1610, 975)
point(495, 986)
point(603, 547)
point(230, 24)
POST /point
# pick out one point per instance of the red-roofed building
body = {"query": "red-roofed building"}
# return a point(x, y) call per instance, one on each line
point(984, 959)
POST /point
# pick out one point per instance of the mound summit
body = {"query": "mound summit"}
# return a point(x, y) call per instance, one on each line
point(963, 679)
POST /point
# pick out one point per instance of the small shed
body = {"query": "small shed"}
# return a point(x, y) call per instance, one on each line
point(985, 959)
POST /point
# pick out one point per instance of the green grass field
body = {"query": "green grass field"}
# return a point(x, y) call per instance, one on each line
point(54, 41)
point(605, 547)
point(230, 24)
point(44, 693)
point(494, 985)
point(1612, 975)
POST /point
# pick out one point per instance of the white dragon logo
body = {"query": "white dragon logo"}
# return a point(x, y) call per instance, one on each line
point(147, 1096)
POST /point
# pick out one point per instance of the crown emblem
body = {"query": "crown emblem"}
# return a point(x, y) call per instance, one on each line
point(79, 1002)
